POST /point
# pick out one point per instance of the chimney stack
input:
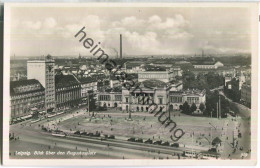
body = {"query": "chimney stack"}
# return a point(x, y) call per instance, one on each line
point(121, 46)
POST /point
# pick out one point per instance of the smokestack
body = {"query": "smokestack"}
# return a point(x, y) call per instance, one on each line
point(121, 46)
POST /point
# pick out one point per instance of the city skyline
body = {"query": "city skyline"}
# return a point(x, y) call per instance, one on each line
point(146, 31)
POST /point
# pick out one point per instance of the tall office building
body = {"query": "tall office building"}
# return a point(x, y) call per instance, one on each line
point(43, 71)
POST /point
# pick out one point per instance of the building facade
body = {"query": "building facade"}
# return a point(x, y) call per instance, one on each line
point(87, 84)
point(246, 94)
point(43, 71)
point(25, 95)
point(166, 93)
point(68, 91)
point(178, 98)
point(208, 65)
point(111, 98)
point(151, 91)
point(164, 76)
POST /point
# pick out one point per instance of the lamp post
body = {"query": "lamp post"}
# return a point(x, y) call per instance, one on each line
point(192, 137)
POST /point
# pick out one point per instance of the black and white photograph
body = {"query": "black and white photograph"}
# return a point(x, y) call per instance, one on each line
point(134, 83)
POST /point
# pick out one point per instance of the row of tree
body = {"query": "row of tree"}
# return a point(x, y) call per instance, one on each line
point(202, 81)
point(187, 109)
point(211, 106)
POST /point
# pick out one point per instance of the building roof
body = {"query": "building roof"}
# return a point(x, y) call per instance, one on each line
point(114, 89)
point(204, 63)
point(154, 68)
point(21, 83)
point(65, 81)
point(87, 80)
point(152, 83)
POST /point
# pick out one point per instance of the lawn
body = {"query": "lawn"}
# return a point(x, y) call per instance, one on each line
point(145, 125)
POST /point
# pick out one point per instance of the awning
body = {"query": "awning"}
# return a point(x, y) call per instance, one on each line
point(34, 108)
point(26, 117)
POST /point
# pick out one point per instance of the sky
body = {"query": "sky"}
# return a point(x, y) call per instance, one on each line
point(39, 31)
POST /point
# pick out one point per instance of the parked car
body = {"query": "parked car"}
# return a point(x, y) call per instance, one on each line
point(77, 132)
point(148, 141)
point(139, 140)
point(97, 134)
point(90, 134)
point(165, 144)
point(158, 142)
point(132, 139)
point(175, 145)
point(111, 137)
point(84, 133)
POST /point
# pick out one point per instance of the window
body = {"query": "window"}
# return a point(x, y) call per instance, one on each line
point(160, 101)
point(126, 99)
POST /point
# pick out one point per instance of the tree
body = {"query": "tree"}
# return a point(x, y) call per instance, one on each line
point(202, 107)
point(180, 107)
point(186, 108)
point(193, 107)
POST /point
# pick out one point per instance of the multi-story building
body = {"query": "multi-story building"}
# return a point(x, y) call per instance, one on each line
point(43, 71)
point(151, 90)
point(68, 91)
point(164, 76)
point(166, 93)
point(110, 98)
point(246, 93)
point(25, 95)
point(177, 98)
point(87, 84)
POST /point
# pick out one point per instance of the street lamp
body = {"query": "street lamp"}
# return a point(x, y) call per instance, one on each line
point(192, 135)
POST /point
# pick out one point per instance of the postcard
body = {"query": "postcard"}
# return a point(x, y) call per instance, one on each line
point(130, 84)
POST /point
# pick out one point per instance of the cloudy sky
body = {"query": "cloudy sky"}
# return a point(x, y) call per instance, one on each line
point(146, 31)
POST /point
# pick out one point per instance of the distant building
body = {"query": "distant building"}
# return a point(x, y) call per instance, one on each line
point(246, 93)
point(165, 76)
point(25, 95)
point(43, 71)
point(176, 71)
point(177, 98)
point(68, 91)
point(208, 65)
point(227, 79)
